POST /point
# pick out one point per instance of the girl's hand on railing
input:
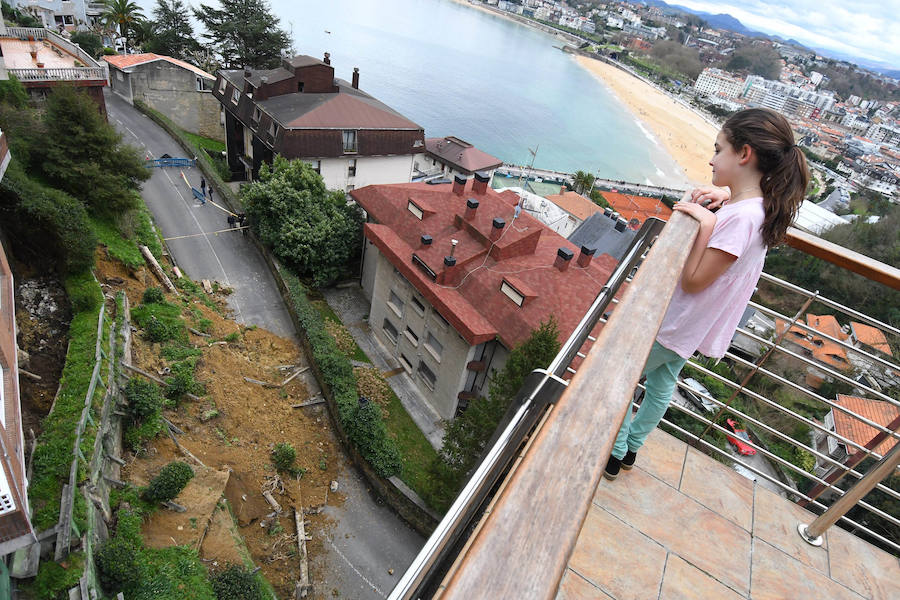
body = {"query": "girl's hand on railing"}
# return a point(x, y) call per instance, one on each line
point(710, 196)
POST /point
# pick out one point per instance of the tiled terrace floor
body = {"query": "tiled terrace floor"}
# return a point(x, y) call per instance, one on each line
point(682, 525)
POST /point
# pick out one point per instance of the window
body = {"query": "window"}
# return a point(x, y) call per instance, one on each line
point(299, 86)
point(427, 375)
point(349, 140)
point(425, 269)
point(434, 347)
point(390, 330)
point(415, 210)
point(396, 303)
point(199, 84)
point(418, 306)
point(119, 76)
point(257, 113)
point(222, 85)
point(350, 187)
point(235, 95)
point(441, 320)
point(273, 130)
point(351, 168)
point(512, 293)
point(411, 336)
point(316, 165)
point(407, 364)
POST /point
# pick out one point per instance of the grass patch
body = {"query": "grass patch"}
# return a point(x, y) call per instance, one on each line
point(204, 142)
point(161, 322)
point(53, 454)
point(122, 236)
point(416, 452)
point(53, 579)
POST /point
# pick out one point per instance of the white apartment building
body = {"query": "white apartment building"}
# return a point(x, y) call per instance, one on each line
point(715, 82)
point(884, 133)
point(67, 15)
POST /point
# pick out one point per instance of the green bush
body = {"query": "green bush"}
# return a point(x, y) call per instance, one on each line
point(160, 322)
point(54, 581)
point(370, 435)
point(236, 583)
point(283, 457)
point(12, 92)
point(153, 295)
point(169, 483)
point(182, 380)
point(117, 564)
point(144, 399)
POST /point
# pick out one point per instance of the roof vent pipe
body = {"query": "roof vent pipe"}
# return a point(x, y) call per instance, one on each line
point(563, 258)
point(449, 261)
point(471, 208)
point(459, 185)
point(327, 59)
point(497, 228)
point(481, 183)
point(426, 239)
point(453, 244)
point(584, 258)
point(355, 82)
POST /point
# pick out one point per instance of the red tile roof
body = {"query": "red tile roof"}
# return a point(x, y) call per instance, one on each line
point(871, 336)
point(468, 295)
point(575, 204)
point(125, 61)
point(852, 428)
point(822, 349)
point(637, 207)
point(461, 154)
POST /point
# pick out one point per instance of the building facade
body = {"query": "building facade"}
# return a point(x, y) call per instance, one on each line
point(459, 275)
point(15, 525)
point(302, 111)
point(63, 15)
point(715, 82)
point(447, 157)
point(173, 87)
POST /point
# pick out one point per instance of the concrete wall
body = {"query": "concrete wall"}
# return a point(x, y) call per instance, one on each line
point(411, 347)
point(369, 170)
point(172, 90)
point(120, 83)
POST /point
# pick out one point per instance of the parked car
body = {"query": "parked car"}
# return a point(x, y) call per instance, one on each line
point(696, 394)
point(740, 437)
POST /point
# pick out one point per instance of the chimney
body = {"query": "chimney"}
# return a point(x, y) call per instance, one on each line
point(355, 78)
point(607, 212)
point(481, 183)
point(497, 228)
point(621, 224)
point(248, 87)
point(584, 258)
point(459, 185)
point(327, 59)
point(449, 261)
point(563, 257)
point(471, 207)
point(426, 239)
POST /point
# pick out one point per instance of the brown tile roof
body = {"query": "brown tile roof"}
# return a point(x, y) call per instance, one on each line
point(346, 109)
point(461, 154)
point(852, 428)
point(871, 336)
point(822, 349)
point(468, 295)
point(575, 204)
point(126, 61)
point(637, 207)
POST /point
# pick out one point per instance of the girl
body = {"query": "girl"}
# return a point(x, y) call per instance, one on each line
point(760, 176)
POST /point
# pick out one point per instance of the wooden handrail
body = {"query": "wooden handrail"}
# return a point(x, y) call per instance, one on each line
point(844, 258)
point(524, 545)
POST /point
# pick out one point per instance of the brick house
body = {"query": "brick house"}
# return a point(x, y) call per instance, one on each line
point(301, 110)
point(175, 88)
point(15, 525)
point(458, 275)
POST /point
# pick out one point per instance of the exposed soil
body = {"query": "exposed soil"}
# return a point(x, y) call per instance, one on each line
point(235, 445)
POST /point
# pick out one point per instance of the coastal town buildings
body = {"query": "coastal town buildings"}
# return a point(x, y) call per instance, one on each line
point(301, 110)
point(63, 15)
point(41, 60)
point(715, 82)
point(458, 275)
point(450, 156)
point(173, 87)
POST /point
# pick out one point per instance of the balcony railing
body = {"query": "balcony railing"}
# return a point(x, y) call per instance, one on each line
point(558, 435)
point(59, 74)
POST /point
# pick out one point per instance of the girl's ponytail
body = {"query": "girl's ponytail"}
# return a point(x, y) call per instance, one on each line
point(782, 163)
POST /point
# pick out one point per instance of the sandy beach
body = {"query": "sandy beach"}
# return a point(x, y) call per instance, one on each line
point(685, 135)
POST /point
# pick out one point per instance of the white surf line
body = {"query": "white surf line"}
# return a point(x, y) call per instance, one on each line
point(355, 570)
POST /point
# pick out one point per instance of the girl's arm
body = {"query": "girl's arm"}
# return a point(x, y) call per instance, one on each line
point(704, 265)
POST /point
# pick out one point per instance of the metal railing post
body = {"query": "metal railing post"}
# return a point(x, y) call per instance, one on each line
point(812, 533)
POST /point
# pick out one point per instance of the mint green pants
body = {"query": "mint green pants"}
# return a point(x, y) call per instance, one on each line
point(661, 370)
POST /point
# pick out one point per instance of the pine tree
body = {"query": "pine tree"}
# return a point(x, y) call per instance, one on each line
point(174, 35)
point(245, 33)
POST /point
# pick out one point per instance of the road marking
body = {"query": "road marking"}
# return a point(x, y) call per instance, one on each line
point(190, 235)
point(131, 132)
point(355, 570)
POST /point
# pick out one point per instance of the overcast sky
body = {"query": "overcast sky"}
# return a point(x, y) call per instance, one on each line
point(867, 29)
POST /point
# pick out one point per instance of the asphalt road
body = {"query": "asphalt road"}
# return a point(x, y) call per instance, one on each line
point(367, 538)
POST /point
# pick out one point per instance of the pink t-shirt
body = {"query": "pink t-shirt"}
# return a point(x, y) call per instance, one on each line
point(706, 321)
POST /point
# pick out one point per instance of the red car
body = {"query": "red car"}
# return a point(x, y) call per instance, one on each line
point(739, 437)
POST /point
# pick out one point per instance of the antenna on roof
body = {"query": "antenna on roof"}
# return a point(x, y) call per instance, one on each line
point(530, 166)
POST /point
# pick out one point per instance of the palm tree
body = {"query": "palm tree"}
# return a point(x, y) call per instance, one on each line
point(122, 14)
point(582, 181)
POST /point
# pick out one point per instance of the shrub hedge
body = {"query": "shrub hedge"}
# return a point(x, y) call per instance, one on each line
point(363, 424)
point(169, 483)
